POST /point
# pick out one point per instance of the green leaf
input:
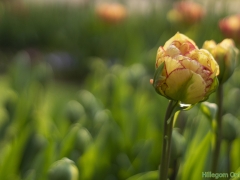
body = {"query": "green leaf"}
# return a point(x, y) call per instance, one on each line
point(209, 110)
point(195, 159)
point(158, 77)
point(235, 175)
point(68, 143)
point(151, 175)
point(11, 155)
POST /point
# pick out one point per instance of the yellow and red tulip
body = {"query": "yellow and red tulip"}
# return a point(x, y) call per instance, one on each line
point(225, 53)
point(183, 72)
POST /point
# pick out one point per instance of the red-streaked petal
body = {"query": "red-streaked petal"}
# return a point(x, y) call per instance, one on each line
point(181, 38)
point(171, 64)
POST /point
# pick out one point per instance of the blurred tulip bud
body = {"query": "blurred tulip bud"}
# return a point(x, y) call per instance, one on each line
point(186, 12)
point(111, 13)
point(83, 139)
point(209, 110)
point(231, 101)
point(10, 103)
point(63, 169)
point(226, 54)
point(230, 26)
point(136, 74)
point(230, 127)
point(101, 118)
point(184, 72)
point(178, 145)
point(74, 111)
point(89, 102)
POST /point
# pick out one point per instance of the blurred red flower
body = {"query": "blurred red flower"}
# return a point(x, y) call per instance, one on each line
point(186, 12)
point(230, 26)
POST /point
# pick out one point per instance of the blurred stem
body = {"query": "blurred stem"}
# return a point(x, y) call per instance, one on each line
point(218, 138)
point(175, 170)
point(167, 136)
point(229, 148)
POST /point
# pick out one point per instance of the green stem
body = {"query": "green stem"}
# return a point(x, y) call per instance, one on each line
point(229, 148)
point(175, 170)
point(218, 140)
point(167, 136)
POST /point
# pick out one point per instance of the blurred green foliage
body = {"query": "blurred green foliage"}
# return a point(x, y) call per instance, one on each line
point(109, 126)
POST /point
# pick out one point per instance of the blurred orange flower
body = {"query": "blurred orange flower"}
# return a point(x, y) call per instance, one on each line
point(186, 12)
point(111, 13)
point(230, 26)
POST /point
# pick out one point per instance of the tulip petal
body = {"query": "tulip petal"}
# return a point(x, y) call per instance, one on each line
point(171, 65)
point(160, 54)
point(180, 38)
point(212, 88)
point(196, 90)
point(191, 64)
point(205, 58)
point(186, 86)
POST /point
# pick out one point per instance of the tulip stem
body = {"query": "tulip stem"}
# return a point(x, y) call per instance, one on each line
point(167, 136)
point(229, 148)
point(218, 138)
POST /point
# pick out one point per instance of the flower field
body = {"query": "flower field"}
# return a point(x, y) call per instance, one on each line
point(105, 91)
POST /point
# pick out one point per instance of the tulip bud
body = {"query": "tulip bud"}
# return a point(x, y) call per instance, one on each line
point(74, 111)
point(230, 127)
point(231, 101)
point(225, 53)
point(184, 72)
point(83, 139)
point(88, 101)
point(63, 169)
point(178, 145)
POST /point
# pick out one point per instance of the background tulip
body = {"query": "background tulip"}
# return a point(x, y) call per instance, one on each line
point(64, 169)
point(186, 12)
point(230, 26)
point(225, 53)
point(111, 13)
point(184, 72)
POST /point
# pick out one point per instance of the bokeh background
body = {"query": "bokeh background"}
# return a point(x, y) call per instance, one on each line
point(75, 97)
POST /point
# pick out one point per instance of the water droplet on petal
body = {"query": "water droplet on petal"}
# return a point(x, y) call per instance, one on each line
point(183, 105)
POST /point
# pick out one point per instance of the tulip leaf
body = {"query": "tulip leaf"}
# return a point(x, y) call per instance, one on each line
point(196, 159)
point(235, 175)
point(151, 175)
point(209, 110)
point(158, 76)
